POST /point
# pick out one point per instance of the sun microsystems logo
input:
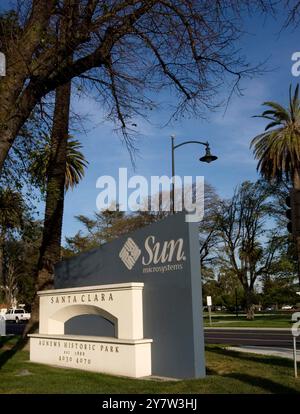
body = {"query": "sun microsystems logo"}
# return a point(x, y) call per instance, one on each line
point(130, 253)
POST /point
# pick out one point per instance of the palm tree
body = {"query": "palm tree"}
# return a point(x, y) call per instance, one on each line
point(277, 149)
point(75, 164)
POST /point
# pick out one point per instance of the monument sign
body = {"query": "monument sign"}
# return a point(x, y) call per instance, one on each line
point(121, 304)
point(106, 301)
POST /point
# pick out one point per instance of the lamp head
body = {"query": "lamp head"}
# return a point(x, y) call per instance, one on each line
point(208, 157)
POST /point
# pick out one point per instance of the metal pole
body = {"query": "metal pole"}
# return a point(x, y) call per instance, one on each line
point(173, 174)
point(295, 356)
point(209, 314)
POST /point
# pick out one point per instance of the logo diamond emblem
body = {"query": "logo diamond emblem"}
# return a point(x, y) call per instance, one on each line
point(130, 253)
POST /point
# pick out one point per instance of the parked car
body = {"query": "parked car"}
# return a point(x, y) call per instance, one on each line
point(287, 307)
point(17, 315)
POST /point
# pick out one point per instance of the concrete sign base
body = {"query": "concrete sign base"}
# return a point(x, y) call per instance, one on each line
point(120, 304)
point(131, 358)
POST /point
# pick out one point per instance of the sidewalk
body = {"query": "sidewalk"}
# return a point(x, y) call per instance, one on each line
point(261, 350)
point(245, 328)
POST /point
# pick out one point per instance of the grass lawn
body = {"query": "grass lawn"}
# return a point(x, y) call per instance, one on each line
point(227, 372)
point(278, 320)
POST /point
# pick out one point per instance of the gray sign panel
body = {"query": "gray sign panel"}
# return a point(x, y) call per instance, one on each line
point(165, 257)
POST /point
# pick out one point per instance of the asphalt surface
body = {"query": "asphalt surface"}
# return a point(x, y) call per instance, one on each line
point(254, 337)
point(231, 336)
point(13, 328)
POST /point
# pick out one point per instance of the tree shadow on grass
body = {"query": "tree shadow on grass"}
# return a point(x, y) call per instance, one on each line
point(20, 344)
point(265, 383)
point(4, 340)
point(268, 360)
point(210, 371)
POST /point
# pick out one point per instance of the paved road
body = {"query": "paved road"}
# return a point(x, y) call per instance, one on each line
point(13, 328)
point(253, 337)
point(233, 336)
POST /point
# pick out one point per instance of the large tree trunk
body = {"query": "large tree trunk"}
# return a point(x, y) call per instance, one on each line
point(17, 102)
point(296, 180)
point(50, 251)
point(12, 122)
point(249, 304)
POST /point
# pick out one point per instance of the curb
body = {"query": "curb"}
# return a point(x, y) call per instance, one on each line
point(247, 329)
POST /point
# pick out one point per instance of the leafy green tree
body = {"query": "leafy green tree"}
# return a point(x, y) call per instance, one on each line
point(208, 233)
point(20, 260)
point(279, 292)
point(247, 247)
point(104, 227)
point(279, 285)
point(223, 289)
point(11, 218)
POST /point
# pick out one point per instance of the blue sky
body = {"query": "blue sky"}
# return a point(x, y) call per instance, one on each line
point(229, 133)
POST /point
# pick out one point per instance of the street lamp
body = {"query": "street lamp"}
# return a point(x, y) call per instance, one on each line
point(208, 157)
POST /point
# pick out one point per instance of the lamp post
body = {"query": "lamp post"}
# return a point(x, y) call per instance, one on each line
point(208, 157)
